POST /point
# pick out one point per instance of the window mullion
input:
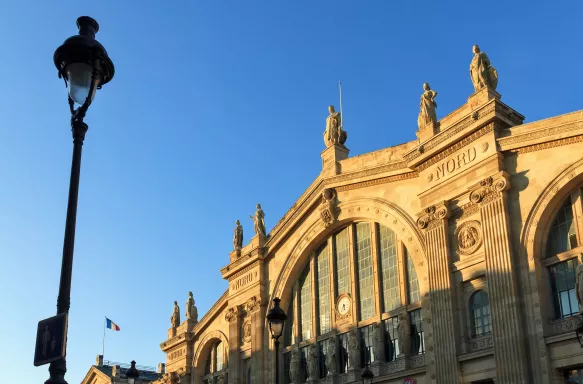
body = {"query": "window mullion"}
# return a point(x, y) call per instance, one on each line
point(377, 291)
point(314, 288)
point(332, 281)
point(577, 214)
point(402, 269)
point(353, 272)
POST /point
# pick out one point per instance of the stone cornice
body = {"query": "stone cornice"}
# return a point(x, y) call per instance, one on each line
point(541, 132)
point(382, 180)
point(459, 145)
point(450, 132)
point(399, 165)
point(547, 145)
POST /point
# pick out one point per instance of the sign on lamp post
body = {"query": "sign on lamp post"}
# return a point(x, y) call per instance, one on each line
point(51, 342)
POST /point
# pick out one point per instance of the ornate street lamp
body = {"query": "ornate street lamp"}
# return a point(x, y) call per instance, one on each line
point(132, 374)
point(85, 66)
point(366, 375)
point(276, 318)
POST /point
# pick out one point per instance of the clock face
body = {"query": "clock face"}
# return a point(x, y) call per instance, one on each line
point(344, 304)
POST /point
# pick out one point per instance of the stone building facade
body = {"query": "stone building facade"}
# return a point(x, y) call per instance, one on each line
point(448, 259)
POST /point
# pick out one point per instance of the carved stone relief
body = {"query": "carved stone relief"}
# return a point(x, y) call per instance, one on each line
point(468, 237)
point(488, 189)
point(232, 314)
point(329, 207)
point(252, 304)
point(246, 332)
point(430, 216)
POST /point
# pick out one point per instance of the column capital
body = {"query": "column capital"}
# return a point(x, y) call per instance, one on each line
point(490, 188)
point(252, 304)
point(232, 314)
point(432, 215)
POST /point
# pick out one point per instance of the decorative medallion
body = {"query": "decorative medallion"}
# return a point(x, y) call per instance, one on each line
point(343, 306)
point(329, 209)
point(246, 332)
point(469, 237)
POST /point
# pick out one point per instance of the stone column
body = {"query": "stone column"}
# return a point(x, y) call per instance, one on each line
point(257, 313)
point(509, 348)
point(434, 220)
point(234, 362)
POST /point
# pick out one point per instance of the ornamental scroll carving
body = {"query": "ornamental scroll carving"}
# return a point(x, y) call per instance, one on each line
point(232, 314)
point(468, 237)
point(488, 190)
point(252, 304)
point(431, 216)
point(329, 209)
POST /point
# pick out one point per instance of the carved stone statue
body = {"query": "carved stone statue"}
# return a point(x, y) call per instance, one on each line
point(579, 283)
point(334, 135)
point(427, 107)
point(482, 73)
point(404, 331)
point(313, 363)
point(331, 356)
point(238, 235)
point(175, 319)
point(259, 220)
point(378, 346)
point(191, 311)
point(354, 349)
point(294, 367)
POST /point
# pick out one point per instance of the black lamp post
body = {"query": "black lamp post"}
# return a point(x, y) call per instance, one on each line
point(132, 374)
point(85, 66)
point(366, 375)
point(276, 318)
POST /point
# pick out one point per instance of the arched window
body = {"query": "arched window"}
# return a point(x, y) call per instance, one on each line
point(562, 236)
point(561, 258)
point(215, 364)
point(480, 314)
point(366, 267)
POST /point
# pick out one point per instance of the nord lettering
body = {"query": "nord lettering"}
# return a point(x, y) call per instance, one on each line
point(243, 281)
point(449, 166)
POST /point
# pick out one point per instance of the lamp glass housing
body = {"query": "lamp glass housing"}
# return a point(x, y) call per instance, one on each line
point(276, 328)
point(80, 77)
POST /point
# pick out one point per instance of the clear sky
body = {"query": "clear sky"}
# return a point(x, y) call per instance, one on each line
point(216, 106)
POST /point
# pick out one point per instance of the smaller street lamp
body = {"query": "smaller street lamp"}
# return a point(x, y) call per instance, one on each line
point(366, 375)
point(132, 374)
point(276, 318)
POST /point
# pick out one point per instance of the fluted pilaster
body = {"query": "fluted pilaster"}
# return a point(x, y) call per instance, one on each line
point(509, 348)
point(434, 221)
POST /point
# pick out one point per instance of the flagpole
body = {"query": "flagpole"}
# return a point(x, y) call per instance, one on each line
point(103, 340)
point(341, 112)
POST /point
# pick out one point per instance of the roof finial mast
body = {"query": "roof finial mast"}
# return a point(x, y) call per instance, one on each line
point(341, 112)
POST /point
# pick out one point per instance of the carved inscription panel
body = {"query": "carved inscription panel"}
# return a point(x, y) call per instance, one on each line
point(244, 280)
point(457, 162)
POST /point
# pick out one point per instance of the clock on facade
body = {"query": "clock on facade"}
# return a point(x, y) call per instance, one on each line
point(344, 305)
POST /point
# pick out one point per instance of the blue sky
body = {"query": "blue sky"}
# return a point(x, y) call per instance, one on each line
point(216, 106)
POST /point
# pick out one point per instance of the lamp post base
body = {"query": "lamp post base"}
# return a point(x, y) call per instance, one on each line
point(57, 369)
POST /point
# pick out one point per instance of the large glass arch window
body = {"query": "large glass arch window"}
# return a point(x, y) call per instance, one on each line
point(215, 364)
point(561, 257)
point(367, 264)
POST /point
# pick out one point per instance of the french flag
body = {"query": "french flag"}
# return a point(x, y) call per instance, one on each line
point(111, 325)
